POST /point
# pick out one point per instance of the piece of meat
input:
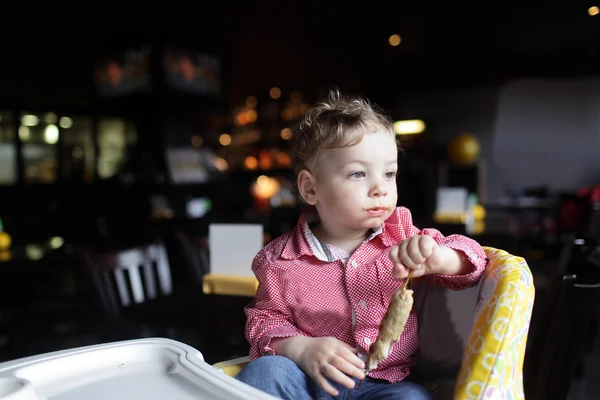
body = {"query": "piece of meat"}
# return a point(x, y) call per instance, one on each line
point(391, 327)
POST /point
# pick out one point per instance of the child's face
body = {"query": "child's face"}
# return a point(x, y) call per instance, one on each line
point(355, 186)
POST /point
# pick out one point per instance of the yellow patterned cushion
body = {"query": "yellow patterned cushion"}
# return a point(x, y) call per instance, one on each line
point(492, 366)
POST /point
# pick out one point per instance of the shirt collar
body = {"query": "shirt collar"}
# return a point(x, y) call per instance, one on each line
point(298, 243)
point(388, 239)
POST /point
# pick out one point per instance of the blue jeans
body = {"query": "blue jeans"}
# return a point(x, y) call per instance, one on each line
point(283, 378)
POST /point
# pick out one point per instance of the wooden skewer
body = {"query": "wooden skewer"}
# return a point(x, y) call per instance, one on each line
point(361, 382)
point(404, 286)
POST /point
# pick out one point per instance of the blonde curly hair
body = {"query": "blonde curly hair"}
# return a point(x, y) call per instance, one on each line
point(336, 121)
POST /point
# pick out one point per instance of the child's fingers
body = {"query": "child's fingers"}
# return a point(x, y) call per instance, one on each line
point(400, 271)
point(395, 254)
point(323, 382)
point(414, 253)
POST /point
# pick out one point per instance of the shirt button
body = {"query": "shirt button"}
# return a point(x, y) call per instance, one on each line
point(367, 341)
point(363, 304)
point(353, 264)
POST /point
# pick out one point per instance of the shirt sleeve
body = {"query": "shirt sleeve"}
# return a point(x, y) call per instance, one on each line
point(468, 248)
point(268, 315)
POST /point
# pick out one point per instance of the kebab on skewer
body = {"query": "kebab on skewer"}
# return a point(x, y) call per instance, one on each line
point(391, 326)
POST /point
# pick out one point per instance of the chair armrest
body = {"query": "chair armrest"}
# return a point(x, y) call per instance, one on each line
point(492, 365)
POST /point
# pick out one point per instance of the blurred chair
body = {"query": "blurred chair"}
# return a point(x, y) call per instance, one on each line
point(472, 341)
point(567, 322)
point(192, 253)
point(139, 274)
point(135, 291)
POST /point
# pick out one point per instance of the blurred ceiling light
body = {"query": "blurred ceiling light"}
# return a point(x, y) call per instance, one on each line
point(221, 164)
point(30, 120)
point(265, 187)
point(250, 163)
point(225, 139)
point(51, 134)
point(286, 133)
point(409, 127)
point(251, 101)
point(275, 92)
point(24, 133)
point(594, 10)
point(56, 242)
point(251, 115)
point(283, 159)
point(65, 122)
point(394, 40)
point(34, 252)
point(244, 115)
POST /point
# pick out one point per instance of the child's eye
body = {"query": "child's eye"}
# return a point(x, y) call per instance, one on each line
point(390, 174)
point(359, 174)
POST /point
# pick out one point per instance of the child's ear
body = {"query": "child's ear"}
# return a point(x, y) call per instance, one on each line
point(306, 187)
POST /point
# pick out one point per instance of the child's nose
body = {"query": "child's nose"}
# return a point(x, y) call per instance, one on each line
point(378, 189)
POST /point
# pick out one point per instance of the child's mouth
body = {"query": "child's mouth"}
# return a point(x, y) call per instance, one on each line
point(376, 211)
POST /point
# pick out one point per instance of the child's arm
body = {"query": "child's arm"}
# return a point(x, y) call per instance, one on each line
point(459, 261)
point(422, 255)
point(453, 262)
point(268, 315)
point(457, 264)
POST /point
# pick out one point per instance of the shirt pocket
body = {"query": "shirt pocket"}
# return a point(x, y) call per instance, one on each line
point(388, 285)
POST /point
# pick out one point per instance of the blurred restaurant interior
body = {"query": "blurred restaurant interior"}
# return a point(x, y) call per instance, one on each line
point(145, 127)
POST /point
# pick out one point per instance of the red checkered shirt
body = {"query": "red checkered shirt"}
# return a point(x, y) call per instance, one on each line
point(313, 289)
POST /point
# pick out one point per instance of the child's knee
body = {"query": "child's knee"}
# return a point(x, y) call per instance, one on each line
point(267, 372)
point(276, 375)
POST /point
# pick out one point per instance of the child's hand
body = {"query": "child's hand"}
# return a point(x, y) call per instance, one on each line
point(327, 357)
point(421, 254)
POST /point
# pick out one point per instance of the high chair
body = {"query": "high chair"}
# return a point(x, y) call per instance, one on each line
point(473, 341)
